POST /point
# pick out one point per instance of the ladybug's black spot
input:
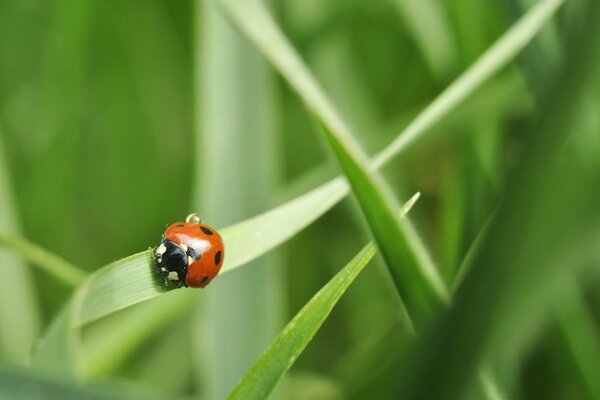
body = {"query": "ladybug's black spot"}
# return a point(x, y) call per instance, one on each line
point(218, 257)
point(206, 230)
point(180, 225)
point(204, 280)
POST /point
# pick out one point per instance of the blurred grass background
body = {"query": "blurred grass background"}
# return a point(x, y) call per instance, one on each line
point(117, 118)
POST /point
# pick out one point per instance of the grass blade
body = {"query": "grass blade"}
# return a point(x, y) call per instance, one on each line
point(261, 379)
point(45, 260)
point(18, 300)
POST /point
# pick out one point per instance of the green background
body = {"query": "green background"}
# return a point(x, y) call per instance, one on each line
point(118, 118)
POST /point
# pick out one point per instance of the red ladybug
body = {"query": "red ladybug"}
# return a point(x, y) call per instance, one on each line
point(190, 253)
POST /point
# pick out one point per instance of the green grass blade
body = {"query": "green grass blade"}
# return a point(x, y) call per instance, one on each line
point(45, 260)
point(261, 378)
point(18, 299)
point(413, 272)
point(255, 236)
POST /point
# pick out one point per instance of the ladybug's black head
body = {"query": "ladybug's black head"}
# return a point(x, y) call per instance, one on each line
point(171, 262)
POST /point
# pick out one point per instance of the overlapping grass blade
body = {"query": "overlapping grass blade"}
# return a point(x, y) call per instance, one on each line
point(416, 278)
point(258, 26)
point(261, 379)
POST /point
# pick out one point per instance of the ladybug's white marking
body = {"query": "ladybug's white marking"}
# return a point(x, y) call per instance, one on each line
point(161, 249)
point(190, 260)
point(184, 247)
point(173, 276)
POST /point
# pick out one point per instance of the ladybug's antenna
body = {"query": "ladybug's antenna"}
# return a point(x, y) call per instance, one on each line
point(194, 218)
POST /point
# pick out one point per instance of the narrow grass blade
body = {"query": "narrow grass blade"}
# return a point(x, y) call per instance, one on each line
point(18, 299)
point(45, 260)
point(261, 379)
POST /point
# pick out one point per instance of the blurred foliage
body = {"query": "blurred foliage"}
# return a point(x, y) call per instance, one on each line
point(119, 117)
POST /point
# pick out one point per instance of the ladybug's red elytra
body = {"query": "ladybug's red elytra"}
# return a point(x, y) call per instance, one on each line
point(190, 253)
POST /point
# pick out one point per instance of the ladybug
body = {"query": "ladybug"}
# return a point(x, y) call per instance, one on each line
point(190, 253)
